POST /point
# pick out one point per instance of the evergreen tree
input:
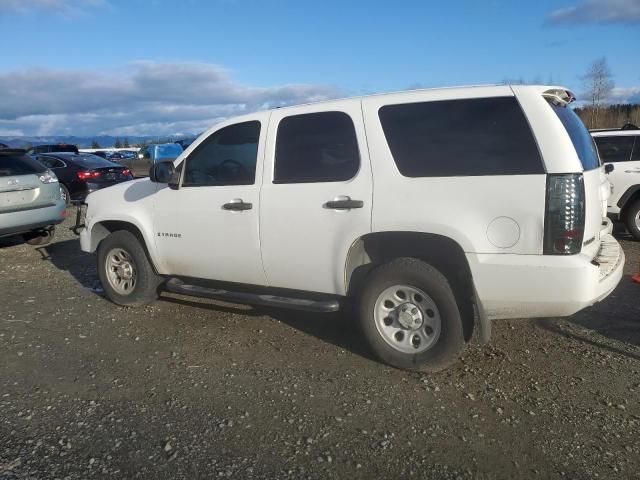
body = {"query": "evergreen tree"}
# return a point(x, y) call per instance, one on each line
point(117, 144)
point(95, 145)
point(126, 143)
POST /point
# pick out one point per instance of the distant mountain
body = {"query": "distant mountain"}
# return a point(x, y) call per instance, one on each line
point(105, 141)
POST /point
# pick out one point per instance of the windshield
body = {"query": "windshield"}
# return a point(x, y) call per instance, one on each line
point(580, 137)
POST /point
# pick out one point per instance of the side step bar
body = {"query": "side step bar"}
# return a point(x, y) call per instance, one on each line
point(178, 286)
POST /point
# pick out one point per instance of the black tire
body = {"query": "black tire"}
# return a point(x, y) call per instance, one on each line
point(630, 215)
point(418, 274)
point(64, 191)
point(145, 288)
point(40, 237)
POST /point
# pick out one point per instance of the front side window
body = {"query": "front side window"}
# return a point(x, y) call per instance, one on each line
point(316, 147)
point(227, 157)
point(615, 149)
point(466, 137)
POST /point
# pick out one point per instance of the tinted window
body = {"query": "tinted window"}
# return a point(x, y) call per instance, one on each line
point(480, 136)
point(614, 149)
point(90, 162)
point(51, 162)
point(316, 147)
point(19, 165)
point(227, 157)
point(580, 137)
point(635, 156)
point(63, 148)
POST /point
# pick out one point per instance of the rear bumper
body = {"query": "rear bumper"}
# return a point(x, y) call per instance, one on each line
point(528, 286)
point(15, 223)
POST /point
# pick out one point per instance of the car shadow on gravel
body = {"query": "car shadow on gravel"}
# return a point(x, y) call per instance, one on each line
point(617, 318)
point(338, 329)
point(66, 255)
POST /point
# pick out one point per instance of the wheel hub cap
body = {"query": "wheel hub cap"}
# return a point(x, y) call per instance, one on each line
point(120, 271)
point(407, 319)
point(410, 316)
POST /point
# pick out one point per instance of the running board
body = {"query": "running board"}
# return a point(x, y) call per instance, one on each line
point(178, 286)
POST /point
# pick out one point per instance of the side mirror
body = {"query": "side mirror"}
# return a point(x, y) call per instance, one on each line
point(609, 167)
point(164, 172)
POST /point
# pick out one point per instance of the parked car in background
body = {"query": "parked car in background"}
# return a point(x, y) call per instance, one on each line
point(82, 173)
point(149, 155)
point(418, 208)
point(53, 148)
point(621, 148)
point(185, 142)
point(30, 200)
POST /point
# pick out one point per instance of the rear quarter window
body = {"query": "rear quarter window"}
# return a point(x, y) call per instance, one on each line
point(468, 137)
point(580, 136)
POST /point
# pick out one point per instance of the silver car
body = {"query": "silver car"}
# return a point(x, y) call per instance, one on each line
point(30, 201)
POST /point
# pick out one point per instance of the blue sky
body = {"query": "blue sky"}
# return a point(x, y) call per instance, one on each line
point(162, 67)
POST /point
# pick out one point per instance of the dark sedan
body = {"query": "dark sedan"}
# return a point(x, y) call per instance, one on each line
point(82, 173)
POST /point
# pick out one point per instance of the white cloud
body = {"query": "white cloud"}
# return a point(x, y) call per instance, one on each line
point(63, 7)
point(624, 95)
point(141, 98)
point(598, 11)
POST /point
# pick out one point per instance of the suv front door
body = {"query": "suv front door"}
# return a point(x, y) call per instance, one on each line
point(208, 227)
point(316, 195)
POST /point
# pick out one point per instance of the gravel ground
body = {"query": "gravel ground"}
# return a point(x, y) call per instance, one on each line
point(188, 388)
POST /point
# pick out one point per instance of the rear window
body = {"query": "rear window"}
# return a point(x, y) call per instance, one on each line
point(615, 149)
point(580, 137)
point(93, 161)
point(19, 165)
point(471, 137)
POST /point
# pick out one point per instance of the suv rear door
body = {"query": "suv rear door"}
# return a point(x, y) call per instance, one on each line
point(316, 195)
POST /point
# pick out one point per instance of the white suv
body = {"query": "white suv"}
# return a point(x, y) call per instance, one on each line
point(621, 149)
point(417, 206)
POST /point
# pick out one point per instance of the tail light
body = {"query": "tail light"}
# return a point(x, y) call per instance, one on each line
point(126, 172)
point(87, 175)
point(564, 215)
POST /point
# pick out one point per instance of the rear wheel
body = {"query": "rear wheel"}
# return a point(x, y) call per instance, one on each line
point(40, 237)
point(632, 219)
point(409, 316)
point(125, 271)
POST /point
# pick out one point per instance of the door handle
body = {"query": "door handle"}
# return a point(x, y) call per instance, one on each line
point(632, 171)
point(343, 203)
point(237, 205)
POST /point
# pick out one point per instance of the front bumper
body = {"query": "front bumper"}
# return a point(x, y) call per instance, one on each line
point(529, 286)
point(15, 223)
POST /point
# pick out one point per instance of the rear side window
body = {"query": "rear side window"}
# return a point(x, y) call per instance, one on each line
point(580, 137)
point(479, 136)
point(19, 165)
point(614, 149)
point(316, 147)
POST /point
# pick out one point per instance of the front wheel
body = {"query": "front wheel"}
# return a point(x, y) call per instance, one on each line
point(632, 219)
point(409, 316)
point(125, 271)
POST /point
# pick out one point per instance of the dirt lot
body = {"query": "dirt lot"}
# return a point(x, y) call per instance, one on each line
point(191, 389)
